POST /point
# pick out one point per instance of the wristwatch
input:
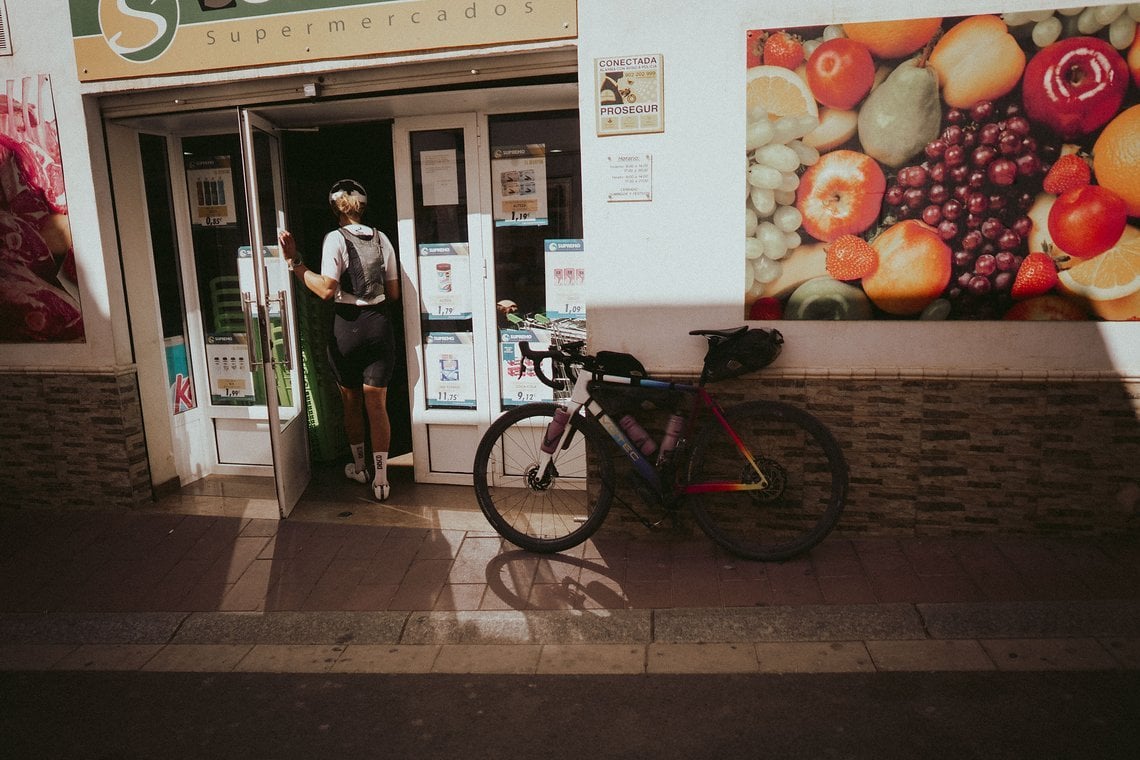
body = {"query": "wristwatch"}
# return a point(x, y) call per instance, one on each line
point(293, 264)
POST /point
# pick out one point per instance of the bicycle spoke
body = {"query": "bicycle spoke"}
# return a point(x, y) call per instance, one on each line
point(806, 475)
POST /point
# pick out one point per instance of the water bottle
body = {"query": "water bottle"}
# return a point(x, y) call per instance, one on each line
point(673, 430)
point(554, 430)
point(638, 435)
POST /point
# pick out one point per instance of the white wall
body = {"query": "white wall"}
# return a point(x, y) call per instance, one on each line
point(661, 268)
point(40, 32)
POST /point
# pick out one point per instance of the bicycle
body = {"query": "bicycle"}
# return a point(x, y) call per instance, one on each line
point(763, 479)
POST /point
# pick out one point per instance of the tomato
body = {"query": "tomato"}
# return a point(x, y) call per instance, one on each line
point(840, 73)
point(1088, 220)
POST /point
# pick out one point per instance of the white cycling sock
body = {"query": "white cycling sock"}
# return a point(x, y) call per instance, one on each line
point(356, 470)
point(380, 486)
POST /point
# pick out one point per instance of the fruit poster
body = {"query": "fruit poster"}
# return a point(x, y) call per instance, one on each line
point(962, 168)
point(39, 292)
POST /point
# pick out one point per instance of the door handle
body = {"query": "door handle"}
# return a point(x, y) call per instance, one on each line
point(285, 325)
point(247, 302)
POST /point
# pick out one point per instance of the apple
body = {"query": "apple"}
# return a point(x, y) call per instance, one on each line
point(841, 193)
point(978, 59)
point(1075, 86)
point(840, 73)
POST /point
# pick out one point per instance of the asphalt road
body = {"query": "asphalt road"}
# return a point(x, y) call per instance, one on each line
point(136, 715)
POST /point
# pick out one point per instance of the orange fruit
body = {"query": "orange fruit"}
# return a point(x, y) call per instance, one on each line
point(780, 92)
point(1111, 275)
point(914, 268)
point(1116, 157)
point(893, 39)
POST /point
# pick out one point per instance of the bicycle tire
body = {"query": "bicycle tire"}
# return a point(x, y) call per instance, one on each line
point(805, 468)
point(536, 515)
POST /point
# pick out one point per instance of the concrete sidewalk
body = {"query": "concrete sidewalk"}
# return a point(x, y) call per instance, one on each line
point(347, 586)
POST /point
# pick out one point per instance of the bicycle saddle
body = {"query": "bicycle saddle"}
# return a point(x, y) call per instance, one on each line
point(728, 333)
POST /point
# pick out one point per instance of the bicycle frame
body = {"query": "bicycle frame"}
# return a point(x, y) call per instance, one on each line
point(580, 397)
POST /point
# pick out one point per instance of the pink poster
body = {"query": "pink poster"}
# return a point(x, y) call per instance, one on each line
point(39, 296)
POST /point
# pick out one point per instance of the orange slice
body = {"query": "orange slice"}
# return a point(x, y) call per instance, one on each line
point(780, 92)
point(1111, 275)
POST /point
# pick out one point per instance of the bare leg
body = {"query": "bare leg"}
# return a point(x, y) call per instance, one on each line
point(353, 401)
point(376, 406)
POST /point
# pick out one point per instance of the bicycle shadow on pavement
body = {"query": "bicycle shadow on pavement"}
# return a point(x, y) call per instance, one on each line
point(556, 581)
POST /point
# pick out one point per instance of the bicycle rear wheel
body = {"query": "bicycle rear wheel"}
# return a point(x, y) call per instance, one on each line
point(805, 469)
point(542, 511)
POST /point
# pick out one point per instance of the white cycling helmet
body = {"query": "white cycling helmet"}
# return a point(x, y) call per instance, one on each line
point(349, 187)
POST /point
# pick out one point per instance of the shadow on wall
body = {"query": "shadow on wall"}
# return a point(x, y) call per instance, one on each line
point(956, 452)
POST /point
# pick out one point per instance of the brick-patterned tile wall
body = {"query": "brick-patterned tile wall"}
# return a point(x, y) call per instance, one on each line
point(72, 441)
point(953, 456)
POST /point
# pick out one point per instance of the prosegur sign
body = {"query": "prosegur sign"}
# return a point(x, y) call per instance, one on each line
point(121, 39)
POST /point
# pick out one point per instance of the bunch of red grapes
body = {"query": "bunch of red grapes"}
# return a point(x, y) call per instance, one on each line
point(978, 181)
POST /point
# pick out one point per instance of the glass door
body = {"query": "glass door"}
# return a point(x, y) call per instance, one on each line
point(442, 250)
point(268, 310)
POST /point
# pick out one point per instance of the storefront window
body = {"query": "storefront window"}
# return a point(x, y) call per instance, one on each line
point(168, 273)
point(439, 186)
point(536, 189)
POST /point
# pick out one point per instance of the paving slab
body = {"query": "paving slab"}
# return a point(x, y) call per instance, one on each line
point(487, 658)
point(1026, 620)
point(701, 658)
point(386, 658)
point(292, 628)
point(809, 623)
point(814, 657)
point(90, 628)
point(1049, 654)
point(534, 627)
point(929, 655)
point(592, 659)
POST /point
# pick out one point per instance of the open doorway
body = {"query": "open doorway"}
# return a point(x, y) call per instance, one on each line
point(314, 159)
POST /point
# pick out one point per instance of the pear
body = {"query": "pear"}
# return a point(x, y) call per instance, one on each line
point(901, 115)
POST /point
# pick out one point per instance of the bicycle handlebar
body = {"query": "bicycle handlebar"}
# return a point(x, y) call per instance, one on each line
point(567, 358)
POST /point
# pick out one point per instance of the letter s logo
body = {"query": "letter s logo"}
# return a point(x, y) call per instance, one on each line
point(138, 30)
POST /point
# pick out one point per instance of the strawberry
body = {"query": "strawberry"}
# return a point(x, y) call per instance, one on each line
point(783, 49)
point(850, 257)
point(1068, 173)
point(766, 307)
point(755, 53)
point(1036, 275)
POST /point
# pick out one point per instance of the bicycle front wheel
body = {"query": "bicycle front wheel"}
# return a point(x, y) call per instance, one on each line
point(542, 511)
point(805, 470)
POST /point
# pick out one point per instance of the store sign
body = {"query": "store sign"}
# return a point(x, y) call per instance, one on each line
point(962, 168)
point(118, 39)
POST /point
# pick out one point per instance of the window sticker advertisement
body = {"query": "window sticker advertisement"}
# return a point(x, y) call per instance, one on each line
point(39, 288)
point(961, 168)
point(449, 368)
point(210, 182)
point(518, 185)
point(231, 377)
point(521, 386)
point(178, 370)
point(631, 92)
point(445, 280)
point(565, 278)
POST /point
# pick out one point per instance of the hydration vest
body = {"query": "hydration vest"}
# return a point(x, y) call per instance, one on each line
point(364, 277)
